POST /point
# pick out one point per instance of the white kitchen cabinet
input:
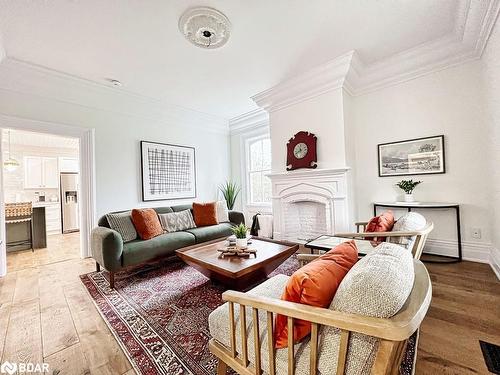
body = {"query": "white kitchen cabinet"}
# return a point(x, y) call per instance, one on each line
point(40, 172)
point(32, 172)
point(53, 218)
point(67, 164)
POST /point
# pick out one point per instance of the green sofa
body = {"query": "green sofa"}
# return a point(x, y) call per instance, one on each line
point(110, 252)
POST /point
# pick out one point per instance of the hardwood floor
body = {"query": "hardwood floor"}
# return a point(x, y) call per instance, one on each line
point(47, 315)
point(465, 308)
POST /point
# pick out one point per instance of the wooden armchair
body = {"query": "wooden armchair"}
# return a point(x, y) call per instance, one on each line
point(417, 245)
point(393, 332)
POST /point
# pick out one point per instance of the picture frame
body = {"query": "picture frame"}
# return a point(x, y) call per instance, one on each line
point(409, 157)
point(168, 171)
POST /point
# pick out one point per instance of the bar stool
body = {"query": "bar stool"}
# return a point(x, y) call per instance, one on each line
point(20, 213)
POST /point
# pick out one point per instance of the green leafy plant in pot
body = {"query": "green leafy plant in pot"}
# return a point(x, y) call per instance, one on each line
point(408, 186)
point(240, 231)
point(230, 191)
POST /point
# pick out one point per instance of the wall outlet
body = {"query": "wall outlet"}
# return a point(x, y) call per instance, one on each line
point(476, 233)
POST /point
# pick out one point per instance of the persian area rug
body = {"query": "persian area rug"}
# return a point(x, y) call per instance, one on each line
point(159, 315)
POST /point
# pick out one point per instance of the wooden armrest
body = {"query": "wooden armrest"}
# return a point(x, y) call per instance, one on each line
point(307, 257)
point(361, 223)
point(378, 327)
point(377, 234)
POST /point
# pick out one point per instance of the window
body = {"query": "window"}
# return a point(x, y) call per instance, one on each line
point(259, 164)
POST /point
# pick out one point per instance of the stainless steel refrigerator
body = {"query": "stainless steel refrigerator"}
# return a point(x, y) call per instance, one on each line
point(69, 202)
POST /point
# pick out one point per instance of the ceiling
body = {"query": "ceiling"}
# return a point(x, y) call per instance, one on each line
point(25, 138)
point(139, 43)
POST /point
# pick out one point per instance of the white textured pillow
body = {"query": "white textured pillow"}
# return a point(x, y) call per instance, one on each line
point(177, 221)
point(410, 221)
point(222, 211)
point(378, 285)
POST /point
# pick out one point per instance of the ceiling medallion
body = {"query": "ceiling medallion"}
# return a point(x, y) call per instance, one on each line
point(205, 27)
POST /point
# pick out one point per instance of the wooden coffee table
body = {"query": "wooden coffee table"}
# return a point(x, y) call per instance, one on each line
point(240, 273)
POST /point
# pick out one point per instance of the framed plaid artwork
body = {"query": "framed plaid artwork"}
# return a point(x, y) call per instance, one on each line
point(168, 171)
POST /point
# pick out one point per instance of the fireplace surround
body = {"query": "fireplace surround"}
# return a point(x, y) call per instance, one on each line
point(309, 203)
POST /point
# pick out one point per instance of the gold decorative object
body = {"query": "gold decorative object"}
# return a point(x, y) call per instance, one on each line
point(236, 251)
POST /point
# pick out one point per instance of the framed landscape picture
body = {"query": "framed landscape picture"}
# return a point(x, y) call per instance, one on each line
point(168, 171)
point(412, 157)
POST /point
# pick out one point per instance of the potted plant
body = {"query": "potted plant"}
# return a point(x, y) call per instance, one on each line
point(408, 186)
point(240, 231)
point(230, 191)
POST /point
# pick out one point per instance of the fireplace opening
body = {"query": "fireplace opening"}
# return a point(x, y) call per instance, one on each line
point(304, 220)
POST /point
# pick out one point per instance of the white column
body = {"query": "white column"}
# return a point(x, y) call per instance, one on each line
point(3, 248)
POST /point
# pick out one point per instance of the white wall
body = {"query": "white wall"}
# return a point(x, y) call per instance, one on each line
point(448, 102)
point(321, 115)
point(118, 179)
point(491, 84)
point(349, 108)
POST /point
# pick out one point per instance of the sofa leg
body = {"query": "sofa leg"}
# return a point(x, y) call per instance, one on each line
point(221, 367)
point(112, 280)
point(97, 267)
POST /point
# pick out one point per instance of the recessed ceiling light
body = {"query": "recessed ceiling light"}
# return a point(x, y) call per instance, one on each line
point(114, 82)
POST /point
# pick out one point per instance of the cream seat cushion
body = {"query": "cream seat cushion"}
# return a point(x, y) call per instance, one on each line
point(218, 322)
point(378, 285)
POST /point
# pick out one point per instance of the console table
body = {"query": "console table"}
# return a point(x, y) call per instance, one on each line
point(429, 205)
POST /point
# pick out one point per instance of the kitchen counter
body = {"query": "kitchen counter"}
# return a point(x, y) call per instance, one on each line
point(27, 234)
point(45, 204)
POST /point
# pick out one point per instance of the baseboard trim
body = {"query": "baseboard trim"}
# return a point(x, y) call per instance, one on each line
point(472, 251)
point(495, 261)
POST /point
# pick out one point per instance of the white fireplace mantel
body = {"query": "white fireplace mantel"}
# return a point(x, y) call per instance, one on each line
point(305, 173)
point(327, 187)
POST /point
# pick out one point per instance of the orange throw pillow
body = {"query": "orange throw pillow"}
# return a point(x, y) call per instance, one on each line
point(381, 223)
point(146, 223)
point(314, 284)
point(205, 214)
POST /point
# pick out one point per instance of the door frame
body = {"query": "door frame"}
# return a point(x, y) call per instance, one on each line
point(86, 140)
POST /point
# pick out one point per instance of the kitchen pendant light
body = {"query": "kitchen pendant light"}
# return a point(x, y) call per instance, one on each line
point(10, 164)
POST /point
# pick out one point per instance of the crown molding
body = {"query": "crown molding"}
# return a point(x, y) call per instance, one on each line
point(317, 81)
point(474, 21)
point(250, 121)
point(490, 18)
point(30, 79)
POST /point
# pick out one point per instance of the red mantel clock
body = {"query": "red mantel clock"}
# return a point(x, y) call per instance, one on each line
point(301, 151)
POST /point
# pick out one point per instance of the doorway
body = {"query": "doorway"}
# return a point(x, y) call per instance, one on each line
point(62, 184)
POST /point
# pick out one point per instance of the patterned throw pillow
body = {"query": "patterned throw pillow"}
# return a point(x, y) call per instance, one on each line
point(122, 223)
point(411, 221)
point(176, 221)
